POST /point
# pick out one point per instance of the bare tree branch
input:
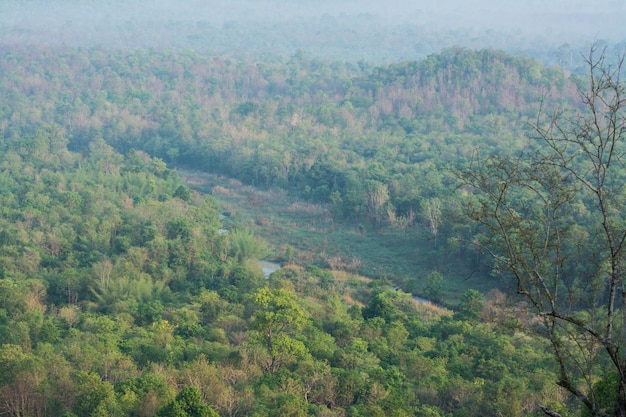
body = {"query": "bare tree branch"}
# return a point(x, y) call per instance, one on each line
point(562, 198)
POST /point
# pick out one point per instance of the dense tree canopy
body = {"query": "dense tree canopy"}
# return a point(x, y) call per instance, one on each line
point(119, 297)
point(124, 292)
point(376, 143)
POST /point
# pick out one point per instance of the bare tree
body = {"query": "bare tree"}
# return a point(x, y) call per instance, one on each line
point(554, 219)
point(431, 209)
point(377, 202)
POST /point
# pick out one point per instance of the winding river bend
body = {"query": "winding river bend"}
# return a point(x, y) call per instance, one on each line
point(269, 267)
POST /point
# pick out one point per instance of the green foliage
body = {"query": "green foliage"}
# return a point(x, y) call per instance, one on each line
point(183, 193)
point(277, 318)
point(435, 287)
point(389, 305)
point(186, 404)
point(377, 143)
point(246, 246)
point(606, 389)
point(93, 396)
point(117, 286)
point(470, 306)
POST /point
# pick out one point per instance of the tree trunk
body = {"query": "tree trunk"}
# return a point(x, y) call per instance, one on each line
point(620, 406)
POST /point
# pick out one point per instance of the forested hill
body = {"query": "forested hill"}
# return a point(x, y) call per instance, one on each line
point(214, 112)
point(121, 294)
point(375, 143)
point(465, 83)
point(458, 81)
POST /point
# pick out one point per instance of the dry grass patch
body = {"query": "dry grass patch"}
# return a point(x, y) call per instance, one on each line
point(337, 263)
point(308, 209)
point(223, 191)
point(431, 311)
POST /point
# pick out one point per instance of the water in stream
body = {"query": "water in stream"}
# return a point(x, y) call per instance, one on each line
point(269, 267)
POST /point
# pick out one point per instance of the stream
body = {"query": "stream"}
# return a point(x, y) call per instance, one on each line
point(416, 298)
point(269, 267)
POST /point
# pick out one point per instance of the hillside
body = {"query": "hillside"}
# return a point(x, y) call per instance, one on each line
point(375, 145)
point(121, 297)
point(121, 275)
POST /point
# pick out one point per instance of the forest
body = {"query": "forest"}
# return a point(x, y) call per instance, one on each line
point(377, 146)
point(427, 215)
point(120, 296)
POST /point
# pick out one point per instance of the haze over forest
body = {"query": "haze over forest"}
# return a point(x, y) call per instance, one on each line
point(443, 211)
point(379, 32)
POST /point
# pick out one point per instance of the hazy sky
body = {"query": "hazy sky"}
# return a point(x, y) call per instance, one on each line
point(456, 22)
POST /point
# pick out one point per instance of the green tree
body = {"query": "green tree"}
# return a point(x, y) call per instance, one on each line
point(187, 403)
point(382, 305)
point(104, 157)
point(245, 246)
point(21, 380)
point(471, 306)
point(92, 396)
point(553, 220)
point(434, 287)
point(278, 316)
point(183, 193)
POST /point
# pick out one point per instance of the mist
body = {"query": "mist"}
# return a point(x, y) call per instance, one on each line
point(378, 31)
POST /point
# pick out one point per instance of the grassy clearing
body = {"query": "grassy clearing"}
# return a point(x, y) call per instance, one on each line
point(302, 232)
